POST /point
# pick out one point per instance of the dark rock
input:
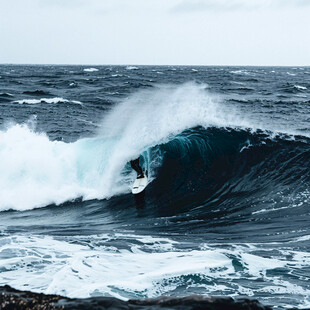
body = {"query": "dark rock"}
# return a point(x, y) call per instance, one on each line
point(11, 299)
point(199, 302)
point(24, 300)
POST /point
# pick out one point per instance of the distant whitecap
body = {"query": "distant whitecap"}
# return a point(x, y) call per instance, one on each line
point(132, 68)
point(300, 87)
point(91, 70)
point(46, 100)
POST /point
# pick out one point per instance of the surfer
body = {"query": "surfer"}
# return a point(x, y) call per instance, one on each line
point(141, 181)
point(135, 165)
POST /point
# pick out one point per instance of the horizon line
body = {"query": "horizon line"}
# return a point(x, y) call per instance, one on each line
point(146, 65)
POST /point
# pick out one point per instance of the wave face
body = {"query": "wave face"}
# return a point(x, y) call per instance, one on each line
point(227, 207)
point(225, 165)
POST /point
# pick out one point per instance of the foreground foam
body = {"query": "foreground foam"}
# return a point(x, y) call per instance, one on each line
point(83, 267)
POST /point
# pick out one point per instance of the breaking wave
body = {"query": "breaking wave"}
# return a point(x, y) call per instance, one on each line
point(194, 147)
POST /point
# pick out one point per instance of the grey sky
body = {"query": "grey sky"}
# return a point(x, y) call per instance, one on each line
point(197, 32)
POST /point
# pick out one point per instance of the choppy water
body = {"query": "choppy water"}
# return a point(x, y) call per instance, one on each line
point(227, 209)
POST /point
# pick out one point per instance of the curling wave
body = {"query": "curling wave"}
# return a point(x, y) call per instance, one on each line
point(196, 149)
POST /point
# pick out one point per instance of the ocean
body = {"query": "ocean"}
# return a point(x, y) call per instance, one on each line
point(227, 208)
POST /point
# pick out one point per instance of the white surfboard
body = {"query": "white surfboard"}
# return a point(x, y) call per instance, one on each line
point(139, 185)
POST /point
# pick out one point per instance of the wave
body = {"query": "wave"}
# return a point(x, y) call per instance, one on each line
point(36, 92)
point(6, 95)
point(194, 147)
point(46, 100)
point(245, 89)
point(268, 102)
point(292, 89)
point(227, 171)
point(132, 68)
point(299, 87)
point(90, 69)
point(242, 72)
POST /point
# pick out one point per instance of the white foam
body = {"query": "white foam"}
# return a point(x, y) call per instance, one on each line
point(36, 171)
point(90, 69)
point(271, 210)
point(77, 102)
point(46, 100)
point(242, 72)
point(80, 268)
point(132, 68)
point(238, 83)
point(301, 239)
point(300, 87)
point(293, 200)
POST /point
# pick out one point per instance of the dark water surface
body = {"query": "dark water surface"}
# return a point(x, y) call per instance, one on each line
point(226, 211)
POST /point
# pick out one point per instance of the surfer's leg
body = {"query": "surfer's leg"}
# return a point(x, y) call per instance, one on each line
point(136, 166)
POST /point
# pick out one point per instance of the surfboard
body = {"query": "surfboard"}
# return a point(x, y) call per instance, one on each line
point(139, 185)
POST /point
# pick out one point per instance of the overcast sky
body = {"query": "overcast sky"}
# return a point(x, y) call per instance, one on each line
point(187, 32)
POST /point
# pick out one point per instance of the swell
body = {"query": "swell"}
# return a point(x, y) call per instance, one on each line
point(37, 92)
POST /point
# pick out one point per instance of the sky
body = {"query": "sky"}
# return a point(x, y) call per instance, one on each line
point(155, 32)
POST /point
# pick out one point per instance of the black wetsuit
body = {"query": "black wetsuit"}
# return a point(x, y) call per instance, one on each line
point(136, 166)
